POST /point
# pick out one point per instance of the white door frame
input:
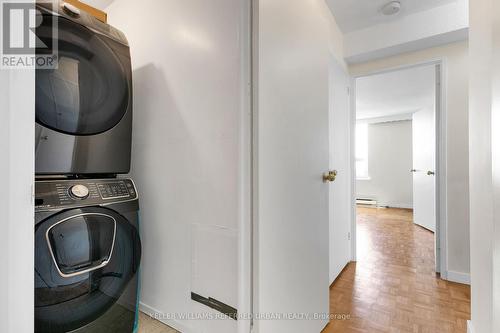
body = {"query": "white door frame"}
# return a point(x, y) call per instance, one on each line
point(246, 193)
point(441, 166)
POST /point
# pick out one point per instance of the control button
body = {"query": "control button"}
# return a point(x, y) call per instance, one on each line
point(113, 190)
point(79, 191)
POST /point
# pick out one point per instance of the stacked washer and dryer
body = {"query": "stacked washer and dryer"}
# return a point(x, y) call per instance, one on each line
point(87, 244)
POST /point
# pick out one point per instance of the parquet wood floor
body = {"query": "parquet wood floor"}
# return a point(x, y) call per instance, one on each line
point(393, 286)
point(149, 325)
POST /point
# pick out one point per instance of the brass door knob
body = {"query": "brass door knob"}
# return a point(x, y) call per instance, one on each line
point(430, 173)
point(330, 176)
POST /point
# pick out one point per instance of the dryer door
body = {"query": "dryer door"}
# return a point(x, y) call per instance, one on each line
point(89, 92)
point(85, 261)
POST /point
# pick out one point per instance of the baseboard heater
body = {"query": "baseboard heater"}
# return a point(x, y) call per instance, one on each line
point(216, 305)
point(366, 202)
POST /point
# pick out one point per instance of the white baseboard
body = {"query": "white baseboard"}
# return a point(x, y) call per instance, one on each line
point(175, 324)
point(470, 329)
point(458, 277)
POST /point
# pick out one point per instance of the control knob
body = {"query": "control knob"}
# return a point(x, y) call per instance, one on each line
point(70, 9)
point(79, 191)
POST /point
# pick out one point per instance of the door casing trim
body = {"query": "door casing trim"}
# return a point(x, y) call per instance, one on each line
point(441, 153)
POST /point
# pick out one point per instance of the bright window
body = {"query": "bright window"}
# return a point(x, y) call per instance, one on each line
point(362, 151)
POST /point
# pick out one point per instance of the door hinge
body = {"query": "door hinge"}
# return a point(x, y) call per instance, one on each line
point(348, 236)
point(349, 91)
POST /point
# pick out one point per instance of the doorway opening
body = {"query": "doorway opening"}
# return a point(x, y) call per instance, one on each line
point(399, 142)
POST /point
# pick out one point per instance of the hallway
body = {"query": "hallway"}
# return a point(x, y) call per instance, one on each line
point(393, 287)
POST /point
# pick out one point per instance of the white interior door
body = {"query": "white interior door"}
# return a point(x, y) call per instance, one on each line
point(424, 168)
point(340, 191)
point(292, 153)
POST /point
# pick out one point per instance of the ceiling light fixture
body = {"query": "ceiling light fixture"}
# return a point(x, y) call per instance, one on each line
point(392, 8)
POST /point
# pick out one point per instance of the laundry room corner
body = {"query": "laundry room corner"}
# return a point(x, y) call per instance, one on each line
point(248, 166)
point(190, 156)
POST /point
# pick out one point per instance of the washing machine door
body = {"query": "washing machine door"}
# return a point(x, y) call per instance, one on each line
point(89, 92)
point(85, 260)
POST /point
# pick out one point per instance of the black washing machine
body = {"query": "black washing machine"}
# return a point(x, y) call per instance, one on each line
point(87, 256)
point(84, 106)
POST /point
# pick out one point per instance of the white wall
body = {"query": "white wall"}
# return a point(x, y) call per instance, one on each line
point(484, 158)
point(389, 165)
point(17, 138)
point(457, 158)
point(189, 94)
point(17, 147)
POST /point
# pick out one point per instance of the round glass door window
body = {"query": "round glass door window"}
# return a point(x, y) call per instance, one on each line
point(85, 260)
point(89, 91)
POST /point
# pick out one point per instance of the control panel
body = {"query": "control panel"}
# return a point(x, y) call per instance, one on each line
point(50, 194)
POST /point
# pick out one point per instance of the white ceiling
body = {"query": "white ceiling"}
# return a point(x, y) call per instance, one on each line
point(395, 93)
point(99, 4)
point(354, 15)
